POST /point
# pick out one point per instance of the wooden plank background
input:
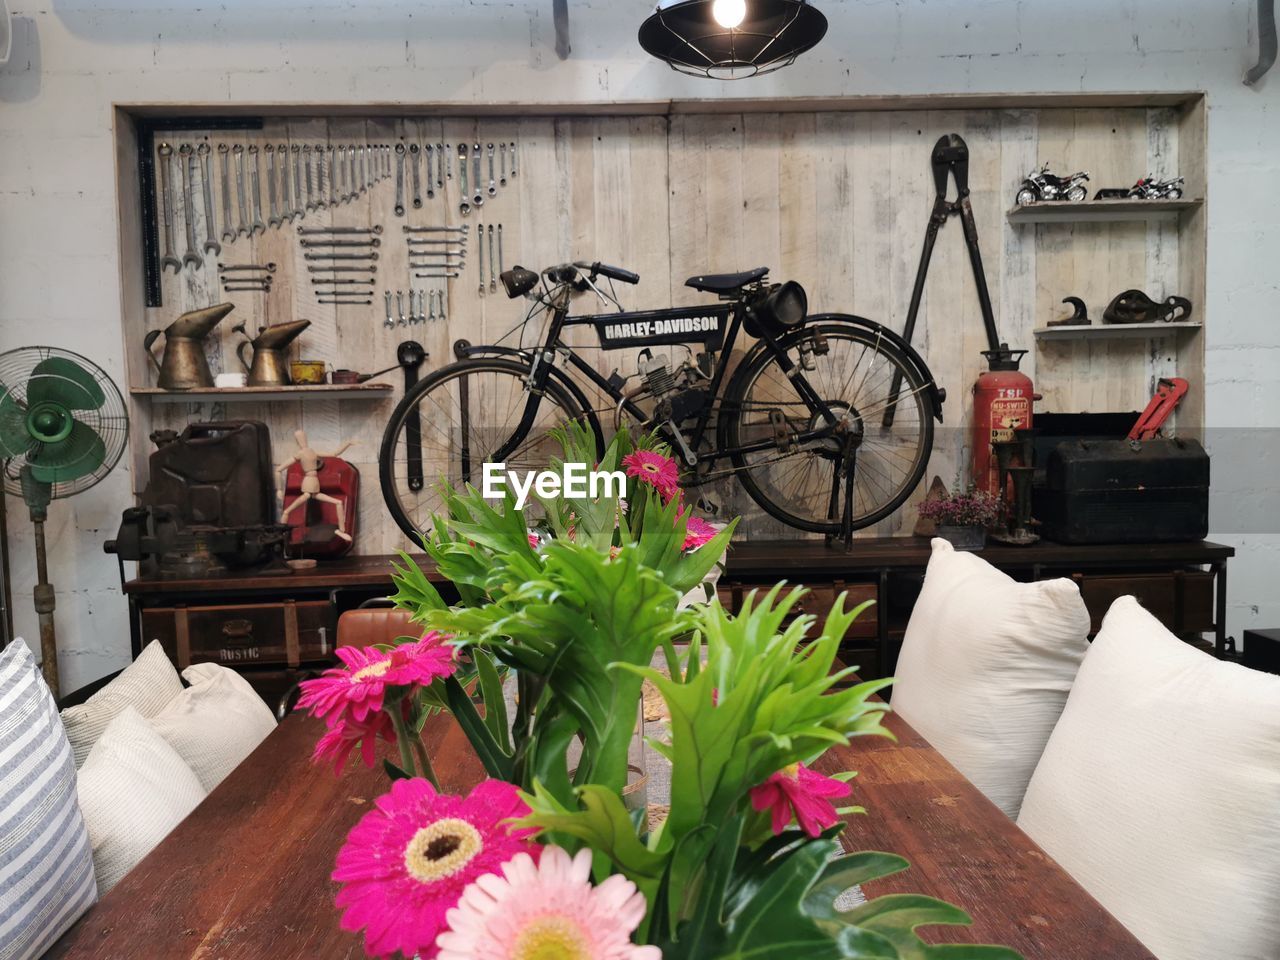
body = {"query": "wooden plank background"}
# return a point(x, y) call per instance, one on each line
point(838, 201)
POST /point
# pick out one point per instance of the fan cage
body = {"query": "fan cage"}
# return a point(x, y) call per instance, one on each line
point(775, 33)
point(110, 421)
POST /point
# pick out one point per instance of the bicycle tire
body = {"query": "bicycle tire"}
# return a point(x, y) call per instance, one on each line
point(914, 392)
point(427, 499)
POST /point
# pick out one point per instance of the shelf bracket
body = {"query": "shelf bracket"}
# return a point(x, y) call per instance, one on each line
point(1266, 42)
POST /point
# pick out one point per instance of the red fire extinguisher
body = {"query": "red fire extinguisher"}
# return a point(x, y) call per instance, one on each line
point(1002, 398)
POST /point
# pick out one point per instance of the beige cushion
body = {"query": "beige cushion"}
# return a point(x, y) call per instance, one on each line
point(1160, 792)
point(133, 789)
point(147, 685)
point(985, 668)
point(215, 723)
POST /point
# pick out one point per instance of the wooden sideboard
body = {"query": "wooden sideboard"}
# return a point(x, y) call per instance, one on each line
point(275, 627)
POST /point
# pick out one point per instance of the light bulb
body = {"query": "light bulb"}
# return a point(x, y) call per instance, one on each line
point(729, 13)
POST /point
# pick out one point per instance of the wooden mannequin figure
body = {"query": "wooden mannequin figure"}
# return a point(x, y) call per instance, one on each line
point(310, 462)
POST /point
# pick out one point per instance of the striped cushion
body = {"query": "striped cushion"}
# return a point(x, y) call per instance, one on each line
point(46, 869)
point(147, 685)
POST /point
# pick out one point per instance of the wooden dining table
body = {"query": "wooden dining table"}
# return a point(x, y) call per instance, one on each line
point(246, 875)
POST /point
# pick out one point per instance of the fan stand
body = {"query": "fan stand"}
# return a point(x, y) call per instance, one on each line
point(37, 496)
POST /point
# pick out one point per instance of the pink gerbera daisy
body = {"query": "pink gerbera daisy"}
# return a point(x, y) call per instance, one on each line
point(697, 532)
point(345, 735)
point(358, 688)
point(407, 861)
point(420, 662)
point(546, 910)
point(654, 469)
point(804, 791)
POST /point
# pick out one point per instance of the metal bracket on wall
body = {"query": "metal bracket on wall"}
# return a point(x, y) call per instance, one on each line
point(146, 128)
point(1266, 42)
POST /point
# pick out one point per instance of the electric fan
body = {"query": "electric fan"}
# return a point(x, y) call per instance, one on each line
point(63, 427)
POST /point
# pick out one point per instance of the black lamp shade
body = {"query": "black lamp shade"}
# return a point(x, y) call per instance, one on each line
point(773, 34)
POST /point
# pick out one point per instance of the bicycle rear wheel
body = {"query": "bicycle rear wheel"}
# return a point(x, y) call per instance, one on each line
point(455, 420)
point(853, 375)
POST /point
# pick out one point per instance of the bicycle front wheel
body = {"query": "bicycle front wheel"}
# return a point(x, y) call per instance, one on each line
point(853, 369)
point(455, 420)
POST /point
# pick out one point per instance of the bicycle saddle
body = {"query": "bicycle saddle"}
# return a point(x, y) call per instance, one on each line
point(725, 282)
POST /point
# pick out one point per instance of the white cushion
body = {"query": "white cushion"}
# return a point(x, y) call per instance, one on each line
point(46, 871)
point(1159, 791)
point(134, 789)
point(986, 666)
point(215, 723)
point(147, 685)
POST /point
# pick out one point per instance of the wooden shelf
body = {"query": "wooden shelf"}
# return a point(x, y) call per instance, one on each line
point(1114, 331)
point(322, 391)
point(1101, 211)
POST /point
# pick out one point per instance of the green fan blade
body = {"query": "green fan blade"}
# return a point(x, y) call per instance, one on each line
point(81, 453)
point(14, 438)
point(62, 381)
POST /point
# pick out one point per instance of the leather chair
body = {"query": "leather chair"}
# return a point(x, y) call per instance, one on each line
point(371, 625)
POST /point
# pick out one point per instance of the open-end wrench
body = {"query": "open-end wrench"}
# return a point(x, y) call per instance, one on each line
point(493, 274)
point(238, 152)
point(390, 321)
point(299, 209)
point(362, 169)
point(255, 177)
point(493, 184)
point(206, 182)
point(440, 161)
point(477, 193)
point(187, 162)
point(414, 150)
point(399, 179)
point(442, 318)
point(480, 244)
point(431, 183)
point(312, 203)
point(404, 321)
point(513, 159)
point(465, 206)
point(273, 218)
point(333, 175)
point(502, 165)
point(432, 315)
point(224, 161)
point(286, 190)
point(352, 190)
point(167, 258)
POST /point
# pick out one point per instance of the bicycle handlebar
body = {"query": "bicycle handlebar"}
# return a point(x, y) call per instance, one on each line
point(613, 273)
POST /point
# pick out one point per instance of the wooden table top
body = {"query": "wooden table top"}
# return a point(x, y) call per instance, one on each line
point(246, 876)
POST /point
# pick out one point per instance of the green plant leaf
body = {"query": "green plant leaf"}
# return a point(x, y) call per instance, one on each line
point(497, 764)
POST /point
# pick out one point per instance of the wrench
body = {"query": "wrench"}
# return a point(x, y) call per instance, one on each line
point(445, 155)
point(442, 317)
point(465, 206)
point(321, 231)
point(238, 152)
point(298, 209)
point(513, 159)
point(493, 184)
point(228, 231)
point(414, 150)
point(493, 275)
point(188, 165)
point(462, 230)
point(167, 258)
point(404, 321)
point(255, 176)
point(273, 220)
point(390, 321)
point(432, 316)
point(345, 282)
point(439, 164)
point(342, 269)
point(500, 267)
point(246, 267)
point(352, 190)
point(362, 166)
point(480, 245)
point(374, 242)
point(333, 176)
point(399, 179)
point(437, 276)
point(206, 182)
point(502, 166)
point(306, 163)
point(477, 197)
point(431, 183)
point(341, 256)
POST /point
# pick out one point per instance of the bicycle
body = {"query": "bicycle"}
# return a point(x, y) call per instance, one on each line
point(800, 420)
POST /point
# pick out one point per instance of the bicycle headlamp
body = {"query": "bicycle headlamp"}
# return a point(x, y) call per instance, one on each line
point(785, 305)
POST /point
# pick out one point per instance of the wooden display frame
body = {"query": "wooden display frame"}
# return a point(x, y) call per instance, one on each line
point(833, 192)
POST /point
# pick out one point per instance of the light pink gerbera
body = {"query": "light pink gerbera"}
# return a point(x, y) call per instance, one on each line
point(697, 532)
point(408, 861)
point(654, 469)
point(345, 735)
point(546, 910)
point(358, 688)
point(804, 791)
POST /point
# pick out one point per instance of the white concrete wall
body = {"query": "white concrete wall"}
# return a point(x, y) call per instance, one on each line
point(73, 58)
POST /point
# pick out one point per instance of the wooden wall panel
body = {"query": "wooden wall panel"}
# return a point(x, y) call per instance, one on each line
point(838, 201)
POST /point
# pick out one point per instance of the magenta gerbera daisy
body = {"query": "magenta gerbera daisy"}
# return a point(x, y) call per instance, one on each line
point(346, 734)
point(420, 662)
point(357, 689)
point(803, 791)
point(697, 532)
point(654, 469)
point(544, 910)
point(408, 861)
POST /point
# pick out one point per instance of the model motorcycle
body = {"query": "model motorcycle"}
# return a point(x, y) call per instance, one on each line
point(1151, 188)
point(1043, 185)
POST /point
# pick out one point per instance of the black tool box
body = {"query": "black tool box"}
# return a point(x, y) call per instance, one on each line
point(1122, 491)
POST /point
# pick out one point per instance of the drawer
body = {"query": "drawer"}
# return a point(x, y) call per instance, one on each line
point(285, 633)
point(1182, 600)
point(818, 601)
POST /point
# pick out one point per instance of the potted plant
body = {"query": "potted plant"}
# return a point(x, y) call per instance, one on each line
point(962, 519)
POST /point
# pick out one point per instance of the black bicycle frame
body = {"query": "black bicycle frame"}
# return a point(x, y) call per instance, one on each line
point(544, 358)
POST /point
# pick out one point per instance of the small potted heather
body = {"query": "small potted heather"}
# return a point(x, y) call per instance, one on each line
point(963, 518)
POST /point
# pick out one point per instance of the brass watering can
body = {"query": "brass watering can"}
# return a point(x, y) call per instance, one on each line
point(270, 366)
point(184, 366)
